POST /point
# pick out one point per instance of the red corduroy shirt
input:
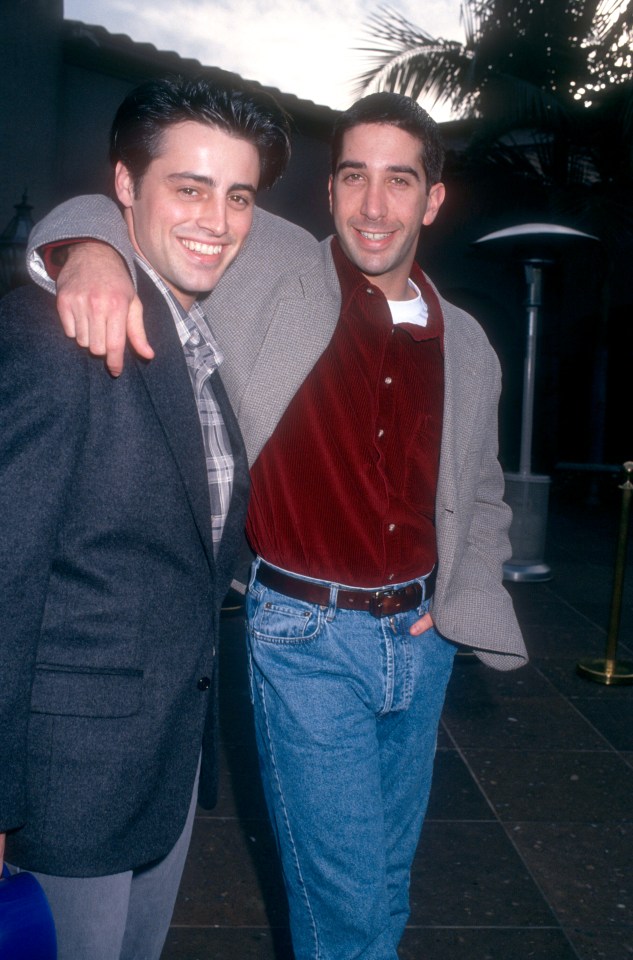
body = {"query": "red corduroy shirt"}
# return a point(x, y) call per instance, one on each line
point(344, 490)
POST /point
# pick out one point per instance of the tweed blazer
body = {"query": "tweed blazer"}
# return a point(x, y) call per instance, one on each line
point(109, 594)
point(274, 312)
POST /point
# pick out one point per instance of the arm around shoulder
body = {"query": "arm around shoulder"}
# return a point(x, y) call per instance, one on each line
point(92, 216)
point(96, 298)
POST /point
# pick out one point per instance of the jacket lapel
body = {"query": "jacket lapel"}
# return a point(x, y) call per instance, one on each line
point(234, 525)
point(169, 387)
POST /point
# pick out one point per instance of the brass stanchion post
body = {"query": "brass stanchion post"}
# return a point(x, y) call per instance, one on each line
point(610, 670)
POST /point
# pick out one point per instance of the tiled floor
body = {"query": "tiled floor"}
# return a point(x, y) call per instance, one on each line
point(527, 851)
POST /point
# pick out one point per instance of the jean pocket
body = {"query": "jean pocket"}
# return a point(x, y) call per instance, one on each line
point(274, 618)
point(423, 608)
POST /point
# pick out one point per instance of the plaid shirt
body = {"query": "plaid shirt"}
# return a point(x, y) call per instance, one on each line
point(203, 357)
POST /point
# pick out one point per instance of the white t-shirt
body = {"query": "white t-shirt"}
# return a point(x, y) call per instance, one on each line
point(410, 311)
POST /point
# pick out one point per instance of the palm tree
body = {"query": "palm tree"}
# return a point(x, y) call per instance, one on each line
point(521, 59)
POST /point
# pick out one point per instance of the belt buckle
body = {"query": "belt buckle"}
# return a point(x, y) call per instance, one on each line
point(377, 600)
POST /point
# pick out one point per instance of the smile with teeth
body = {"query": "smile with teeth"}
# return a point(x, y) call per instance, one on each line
point(206, 249)
point(373, 236)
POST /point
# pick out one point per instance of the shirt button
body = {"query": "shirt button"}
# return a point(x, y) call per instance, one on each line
point(370, 291)
point(381, 432)
point(390, 577)
point(204, 683)
point(388, 380)
point(391, 527)
point(194, 339)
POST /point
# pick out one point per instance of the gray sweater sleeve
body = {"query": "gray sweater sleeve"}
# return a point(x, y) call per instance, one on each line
point(91, 216)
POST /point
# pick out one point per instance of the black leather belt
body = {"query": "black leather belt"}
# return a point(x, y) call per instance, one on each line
point(380, 603)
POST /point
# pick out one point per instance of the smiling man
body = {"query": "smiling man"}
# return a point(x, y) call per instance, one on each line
point(109, 617)
point(369, 409)
point(377, 516)
point(185, 214)
point(380, 203)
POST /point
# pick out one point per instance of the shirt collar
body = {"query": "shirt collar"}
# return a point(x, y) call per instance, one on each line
point(353, 282)
point(192, 326)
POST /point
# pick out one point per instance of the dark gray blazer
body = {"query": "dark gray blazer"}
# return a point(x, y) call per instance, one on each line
point(274, 312)
point(109, 594)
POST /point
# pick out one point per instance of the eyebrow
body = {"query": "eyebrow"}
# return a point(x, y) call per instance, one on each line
point(394, 168)
point(209, 181)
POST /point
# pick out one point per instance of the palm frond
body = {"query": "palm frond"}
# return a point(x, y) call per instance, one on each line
point(437, 72)
point(409, 60)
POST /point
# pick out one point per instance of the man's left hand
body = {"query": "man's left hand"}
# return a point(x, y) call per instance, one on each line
point(424, 623)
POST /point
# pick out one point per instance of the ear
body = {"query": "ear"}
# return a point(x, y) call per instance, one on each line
point(329, 191)
point(434, 202)
point(124, 185)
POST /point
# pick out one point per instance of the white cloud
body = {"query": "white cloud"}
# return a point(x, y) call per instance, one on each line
point(301, 47)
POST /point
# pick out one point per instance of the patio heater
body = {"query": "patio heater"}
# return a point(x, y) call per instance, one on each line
point(534, 245)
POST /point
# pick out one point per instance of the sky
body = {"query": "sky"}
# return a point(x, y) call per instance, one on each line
point(305, 47)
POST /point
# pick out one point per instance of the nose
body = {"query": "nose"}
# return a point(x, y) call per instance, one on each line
point(211, 216)
point(374, 205)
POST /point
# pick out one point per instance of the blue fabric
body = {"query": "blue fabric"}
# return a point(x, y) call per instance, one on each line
point(27, 931)
point(346, 712)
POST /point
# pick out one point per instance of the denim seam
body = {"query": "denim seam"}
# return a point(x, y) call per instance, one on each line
point(407, 683)
point(389, 666)
point(277, 782)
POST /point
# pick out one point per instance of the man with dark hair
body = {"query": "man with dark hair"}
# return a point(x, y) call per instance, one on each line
point(109, 617)
point(377, 520)
point(146, 112)
point(402, 113)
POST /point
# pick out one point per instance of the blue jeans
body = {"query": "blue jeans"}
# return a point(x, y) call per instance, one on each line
point(346, 713)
